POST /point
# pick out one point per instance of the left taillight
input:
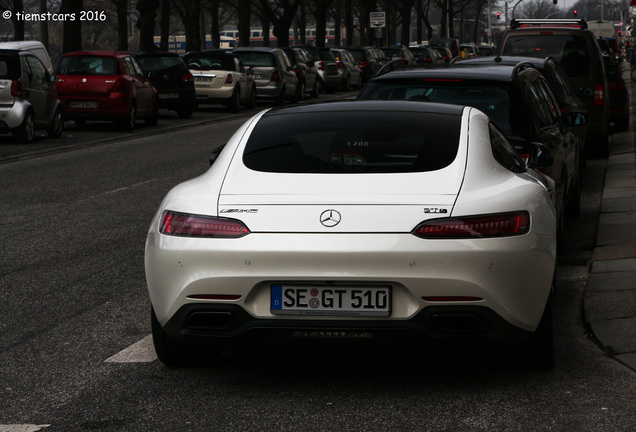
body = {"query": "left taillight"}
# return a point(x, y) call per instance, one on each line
point(483, 226)
point(187, 77)
point(189, 225)
point(16, 88)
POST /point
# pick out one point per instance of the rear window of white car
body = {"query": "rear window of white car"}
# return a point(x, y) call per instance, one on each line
point(353, 142)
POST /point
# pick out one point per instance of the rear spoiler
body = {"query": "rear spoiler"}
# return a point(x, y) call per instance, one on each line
point(576, 23)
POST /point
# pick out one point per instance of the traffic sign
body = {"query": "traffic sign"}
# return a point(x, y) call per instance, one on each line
point(377, 19)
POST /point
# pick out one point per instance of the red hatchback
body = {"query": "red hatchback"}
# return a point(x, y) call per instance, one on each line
point(105, 85)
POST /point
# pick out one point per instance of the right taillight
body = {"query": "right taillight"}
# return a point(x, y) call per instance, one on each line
point(483, 226)
point(187, 77)
point(275, 77)
point(16, 88)
point(120, 86)
point(599, 94)
point(188, 225)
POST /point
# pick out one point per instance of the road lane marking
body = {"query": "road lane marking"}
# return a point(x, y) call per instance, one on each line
point(22, 427)
point(139, 352)
point(116, 190)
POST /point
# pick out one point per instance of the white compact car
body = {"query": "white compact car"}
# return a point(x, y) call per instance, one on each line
point(359, 222)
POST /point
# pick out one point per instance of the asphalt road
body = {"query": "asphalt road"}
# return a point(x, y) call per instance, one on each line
point(74, 321)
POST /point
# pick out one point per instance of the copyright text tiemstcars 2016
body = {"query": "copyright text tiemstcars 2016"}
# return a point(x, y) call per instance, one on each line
point(50, 16)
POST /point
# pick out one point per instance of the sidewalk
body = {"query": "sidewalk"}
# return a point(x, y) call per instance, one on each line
point(610, 297)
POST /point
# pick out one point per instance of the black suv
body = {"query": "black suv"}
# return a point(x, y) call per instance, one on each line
point(517, 98)
point(576, 48)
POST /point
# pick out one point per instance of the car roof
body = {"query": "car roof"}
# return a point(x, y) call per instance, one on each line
point(371, 105)
point(503, 73)
point(97, 53)
point(537, 62)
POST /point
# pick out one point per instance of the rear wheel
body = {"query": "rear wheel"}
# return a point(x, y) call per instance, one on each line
point(128, 123)
point(26, 131)
point(538, 350)
point(57, 124)
point(234, 103)
point(154, 117)
point(280, 99)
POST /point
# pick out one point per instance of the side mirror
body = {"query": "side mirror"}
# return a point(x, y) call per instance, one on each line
point(541, 156)
point(576, 118)
point(215, 153)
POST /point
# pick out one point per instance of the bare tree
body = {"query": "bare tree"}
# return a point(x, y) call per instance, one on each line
point(122, 24)
point(15, 7)
point(72, 29)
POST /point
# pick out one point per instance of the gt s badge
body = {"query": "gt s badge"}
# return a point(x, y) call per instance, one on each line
point(231, 210)
point(435, 210)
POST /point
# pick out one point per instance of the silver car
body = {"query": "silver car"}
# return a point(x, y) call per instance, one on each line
point(350, 73)
point(273, 73)
point(28, 98)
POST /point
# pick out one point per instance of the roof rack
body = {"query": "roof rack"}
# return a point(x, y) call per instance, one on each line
point(579, 23)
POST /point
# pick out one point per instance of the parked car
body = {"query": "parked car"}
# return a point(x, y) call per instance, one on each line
point(28, 98)
point(36, 48)
point(273, 73)
point(425, 55)
point(446, 53)
point(327, 67)
point(618, 94)
point(469, 50)
point(461, 248)
point(172, 80)
point(306, 71)
point(350, 74)
point(106, 85)
point(367, 60)
point(220, 77)
point(398, 52)
point(451, 44)
point(486, 50)
point(517, 98)
point(561, 86)
point(576, 48)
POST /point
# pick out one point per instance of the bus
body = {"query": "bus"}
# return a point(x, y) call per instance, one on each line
point(177, 43)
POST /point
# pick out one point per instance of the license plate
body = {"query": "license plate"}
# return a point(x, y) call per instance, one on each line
point(204, 78)
point(331, 300)
point(83, 104)
point(257, 76)
point(169, 95)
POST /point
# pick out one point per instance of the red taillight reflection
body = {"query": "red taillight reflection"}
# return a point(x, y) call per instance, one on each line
point(16, 88)
point(341, 65)
point(187, 77)
point(186, 225)
point(499, 225)
point(321, 65)
point(599, 94)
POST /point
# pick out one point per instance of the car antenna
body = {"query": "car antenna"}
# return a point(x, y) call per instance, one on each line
point(498, 59)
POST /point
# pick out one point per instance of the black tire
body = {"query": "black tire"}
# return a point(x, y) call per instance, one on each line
point(317, 88)
point(251, 104)
point(185, 113)
point(26, 131)
point(154, 117)
point(538, 351)
point(57, 124)
point(128, 123)
point(234, 104)
point(280, 99)
point(176, 354)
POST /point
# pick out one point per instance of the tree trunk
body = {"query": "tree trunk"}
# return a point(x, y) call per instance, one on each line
point(44, 24)
point(72, 29)
point(122, 25)
point(349, 22)
point(214, 24)
point(191, 24)
point(165, 25)
point(244, 16)
point(146, 23)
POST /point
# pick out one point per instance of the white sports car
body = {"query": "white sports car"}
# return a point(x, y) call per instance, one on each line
point(364, 222)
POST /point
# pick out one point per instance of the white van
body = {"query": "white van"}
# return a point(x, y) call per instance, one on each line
point(35, 47)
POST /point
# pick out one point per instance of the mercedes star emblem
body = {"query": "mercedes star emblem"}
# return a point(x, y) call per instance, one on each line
point(330, 218)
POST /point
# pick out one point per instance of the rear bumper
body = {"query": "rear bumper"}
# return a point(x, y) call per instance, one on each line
point(231, 327)
point(12, 115)
point(116, 105)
